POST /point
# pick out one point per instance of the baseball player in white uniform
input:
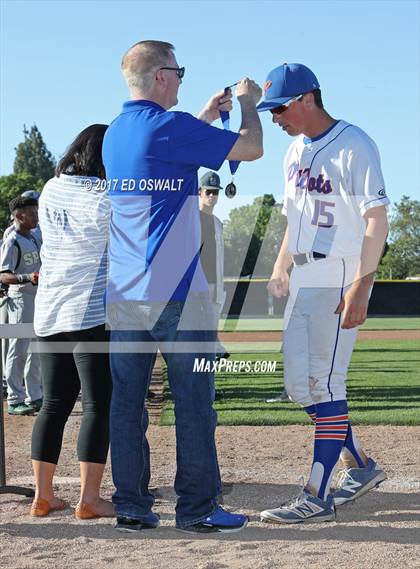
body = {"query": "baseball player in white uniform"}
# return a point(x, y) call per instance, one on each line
point(19, 266)
point(335, 204)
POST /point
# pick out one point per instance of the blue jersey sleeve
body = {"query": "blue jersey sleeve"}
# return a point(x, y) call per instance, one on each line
point(195, 142)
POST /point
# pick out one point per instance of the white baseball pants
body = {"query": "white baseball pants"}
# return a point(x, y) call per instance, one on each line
point(317, 351)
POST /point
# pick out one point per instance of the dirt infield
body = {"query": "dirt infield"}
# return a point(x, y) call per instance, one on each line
point(362, 336)
point(260, 467)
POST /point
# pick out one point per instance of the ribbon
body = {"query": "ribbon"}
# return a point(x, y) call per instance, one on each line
point(230, 189)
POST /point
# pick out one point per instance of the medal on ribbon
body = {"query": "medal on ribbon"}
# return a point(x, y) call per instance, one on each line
point(230, 190)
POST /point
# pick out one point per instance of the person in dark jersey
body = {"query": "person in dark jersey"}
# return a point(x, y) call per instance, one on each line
point(212, 248)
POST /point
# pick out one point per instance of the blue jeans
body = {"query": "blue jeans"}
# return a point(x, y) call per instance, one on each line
point(153, 326)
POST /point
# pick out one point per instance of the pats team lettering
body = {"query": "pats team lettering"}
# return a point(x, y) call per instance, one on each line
point(312, 183)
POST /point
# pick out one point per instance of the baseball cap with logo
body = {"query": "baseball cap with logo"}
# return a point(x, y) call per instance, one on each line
point(285, 82)
point(210, 180)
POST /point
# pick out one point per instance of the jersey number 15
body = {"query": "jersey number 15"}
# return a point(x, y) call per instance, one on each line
point(322, 217)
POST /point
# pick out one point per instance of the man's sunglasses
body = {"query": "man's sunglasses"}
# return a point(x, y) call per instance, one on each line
point(211, 192)
point(180, 71)
point(280, 109)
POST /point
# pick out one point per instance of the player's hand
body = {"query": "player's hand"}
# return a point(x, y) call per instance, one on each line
point(221, 101)
point(247, 88)
point(278, 285)
point(34, 278)
point(353, 307)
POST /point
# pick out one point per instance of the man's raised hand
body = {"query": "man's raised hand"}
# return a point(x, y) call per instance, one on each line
point(220, 101)
point(247, 88)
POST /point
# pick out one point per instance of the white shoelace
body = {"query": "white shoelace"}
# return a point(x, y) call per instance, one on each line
point(291, 503)
point(344, 476)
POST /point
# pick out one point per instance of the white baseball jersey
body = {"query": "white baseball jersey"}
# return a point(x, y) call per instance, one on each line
point(330, 182)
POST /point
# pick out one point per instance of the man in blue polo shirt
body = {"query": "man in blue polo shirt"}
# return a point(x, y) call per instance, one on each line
point(157, 295)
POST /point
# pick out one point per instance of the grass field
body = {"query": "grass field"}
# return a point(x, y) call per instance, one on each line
point(383, 389)
point(275, 323)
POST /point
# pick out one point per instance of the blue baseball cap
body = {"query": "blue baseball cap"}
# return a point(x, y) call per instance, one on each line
point(285, 82)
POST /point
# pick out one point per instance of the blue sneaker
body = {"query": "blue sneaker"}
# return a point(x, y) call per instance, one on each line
point(130, 525)
point(305, 508)
point(219, 521)
point(354, 482)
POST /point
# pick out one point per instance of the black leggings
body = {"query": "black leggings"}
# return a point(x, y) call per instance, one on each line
point(63, 374)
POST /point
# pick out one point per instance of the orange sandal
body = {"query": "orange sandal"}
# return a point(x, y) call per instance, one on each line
point(42, 507)
point(85, 511)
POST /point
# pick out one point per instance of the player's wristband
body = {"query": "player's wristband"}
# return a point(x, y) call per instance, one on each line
point(25, 278)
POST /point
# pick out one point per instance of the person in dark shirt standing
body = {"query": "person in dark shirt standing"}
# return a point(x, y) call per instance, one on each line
point(212, 248)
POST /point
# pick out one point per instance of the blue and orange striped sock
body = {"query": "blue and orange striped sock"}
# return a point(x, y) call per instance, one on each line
point(352, 453)
point(311, 411)
point(330, 434)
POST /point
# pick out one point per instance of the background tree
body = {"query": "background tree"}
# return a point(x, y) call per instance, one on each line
point(402, 258)
point(33, 157)
point(258, 229)
point(10, 187)
point(33, 166)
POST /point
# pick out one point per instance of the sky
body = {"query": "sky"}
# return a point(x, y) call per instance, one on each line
point(60, 68)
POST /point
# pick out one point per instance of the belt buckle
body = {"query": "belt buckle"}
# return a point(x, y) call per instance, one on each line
point(300, 259)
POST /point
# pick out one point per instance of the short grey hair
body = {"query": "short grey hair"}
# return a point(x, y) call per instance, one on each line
point(141, 61)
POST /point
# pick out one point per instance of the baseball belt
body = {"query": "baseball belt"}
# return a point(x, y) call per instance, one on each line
point(304, 258)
